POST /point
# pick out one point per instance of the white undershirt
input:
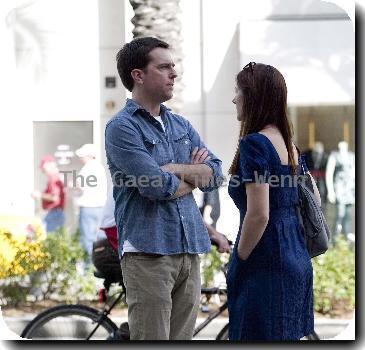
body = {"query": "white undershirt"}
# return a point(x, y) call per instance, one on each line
point(127, 246)
point(161, 122)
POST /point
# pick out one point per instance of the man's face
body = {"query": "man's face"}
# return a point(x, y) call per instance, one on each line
point(84, 160)
point(159, 75)
point(49, 168)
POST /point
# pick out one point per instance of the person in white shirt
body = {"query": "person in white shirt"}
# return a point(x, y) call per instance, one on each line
point(92, 188)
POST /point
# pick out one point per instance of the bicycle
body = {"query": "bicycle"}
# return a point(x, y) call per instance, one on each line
point(91, 324)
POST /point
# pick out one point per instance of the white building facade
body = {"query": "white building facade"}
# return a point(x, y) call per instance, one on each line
point(61, 83)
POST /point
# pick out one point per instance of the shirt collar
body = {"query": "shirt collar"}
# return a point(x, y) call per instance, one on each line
point(132, 107)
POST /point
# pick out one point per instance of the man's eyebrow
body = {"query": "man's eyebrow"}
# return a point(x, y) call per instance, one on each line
point(166, 64)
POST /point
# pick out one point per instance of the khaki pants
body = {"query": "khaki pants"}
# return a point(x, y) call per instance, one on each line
point(163, 294)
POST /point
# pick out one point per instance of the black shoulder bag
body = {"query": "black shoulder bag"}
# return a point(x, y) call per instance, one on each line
point(316, 231)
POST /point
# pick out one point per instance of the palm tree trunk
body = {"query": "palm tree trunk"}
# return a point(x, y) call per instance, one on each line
point(159, 18)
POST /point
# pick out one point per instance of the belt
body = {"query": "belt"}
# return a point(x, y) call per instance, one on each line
point(152, 255)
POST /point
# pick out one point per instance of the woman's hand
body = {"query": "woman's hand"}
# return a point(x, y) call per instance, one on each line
point(256, 218)
point(242, 253)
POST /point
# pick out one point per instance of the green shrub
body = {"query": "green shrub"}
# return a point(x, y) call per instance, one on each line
point(14, 291)
point(64, 252)
point(20, 256)
point(51, 266)
point(211, 264)
point(334, 278)
point(47, 268)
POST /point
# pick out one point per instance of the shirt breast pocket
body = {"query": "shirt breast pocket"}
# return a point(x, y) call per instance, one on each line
point(182, 145)
point(156, 149)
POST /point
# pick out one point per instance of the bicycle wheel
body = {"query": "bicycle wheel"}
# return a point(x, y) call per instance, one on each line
point(223, 334)
point(71, 322)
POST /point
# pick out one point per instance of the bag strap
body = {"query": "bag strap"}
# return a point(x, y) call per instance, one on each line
point(309, 183)
point(299, 158)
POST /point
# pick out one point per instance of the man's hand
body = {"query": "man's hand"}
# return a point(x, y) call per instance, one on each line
point(222, 243)
point(199, 156)
point(195, 173)
point(218, 239)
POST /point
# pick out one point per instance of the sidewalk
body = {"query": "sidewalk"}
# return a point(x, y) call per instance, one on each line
point(325, 328)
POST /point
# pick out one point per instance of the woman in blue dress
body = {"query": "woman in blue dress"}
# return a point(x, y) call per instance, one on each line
point(270, 277)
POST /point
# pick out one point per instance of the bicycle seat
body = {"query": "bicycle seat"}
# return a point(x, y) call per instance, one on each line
point(99, 274)
point(210, 291)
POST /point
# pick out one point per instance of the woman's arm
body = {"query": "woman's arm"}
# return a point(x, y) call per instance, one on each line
point(256, 219)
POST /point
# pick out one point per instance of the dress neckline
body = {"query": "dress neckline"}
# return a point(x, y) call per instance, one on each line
point(276, 152)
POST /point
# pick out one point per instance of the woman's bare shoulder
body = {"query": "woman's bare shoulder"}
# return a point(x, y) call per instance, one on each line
point(276, 138)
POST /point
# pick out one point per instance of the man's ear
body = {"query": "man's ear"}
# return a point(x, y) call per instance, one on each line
point(137, 75)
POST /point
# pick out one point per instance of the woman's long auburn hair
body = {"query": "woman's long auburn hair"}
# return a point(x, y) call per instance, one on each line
point(264, 95)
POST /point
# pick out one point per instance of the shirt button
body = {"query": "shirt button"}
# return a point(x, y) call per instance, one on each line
point(182, 217)
point(172, 160)
point(186, 141)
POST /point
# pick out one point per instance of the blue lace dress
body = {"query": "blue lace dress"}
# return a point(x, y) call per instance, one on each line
point(270, 294)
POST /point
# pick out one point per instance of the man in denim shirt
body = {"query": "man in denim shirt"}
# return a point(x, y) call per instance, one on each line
point(156, 159)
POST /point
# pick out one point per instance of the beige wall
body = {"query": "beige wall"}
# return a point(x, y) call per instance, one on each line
point(111, 39)
point(219, 39)
point(58, 69)
point(52, 74)
point(298, 37)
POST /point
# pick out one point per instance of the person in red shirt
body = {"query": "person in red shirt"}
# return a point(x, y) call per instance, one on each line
point(53, 197)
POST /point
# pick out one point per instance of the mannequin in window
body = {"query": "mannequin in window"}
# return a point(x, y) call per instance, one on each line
point(316, 159)
point(340, 181)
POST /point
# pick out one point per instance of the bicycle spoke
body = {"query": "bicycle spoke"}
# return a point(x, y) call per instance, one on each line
point(69, 323)
point(70, 327)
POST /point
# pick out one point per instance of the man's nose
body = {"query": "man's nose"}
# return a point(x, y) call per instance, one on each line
point(234, 101)
point(173, 74)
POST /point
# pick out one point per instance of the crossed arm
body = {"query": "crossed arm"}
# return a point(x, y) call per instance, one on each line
point(125, 149)
point(204, 170)
point(191, 175)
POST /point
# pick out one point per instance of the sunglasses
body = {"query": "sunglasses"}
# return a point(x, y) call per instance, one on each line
point(250, 66)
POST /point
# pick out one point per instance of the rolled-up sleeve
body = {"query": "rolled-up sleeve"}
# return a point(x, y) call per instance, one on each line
point(126, 152)
point(214, 163)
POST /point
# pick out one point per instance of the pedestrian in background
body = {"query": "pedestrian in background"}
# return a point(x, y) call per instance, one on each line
point(53, 196)
point(91, 196)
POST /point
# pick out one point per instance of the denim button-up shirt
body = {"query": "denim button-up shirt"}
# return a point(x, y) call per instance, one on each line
point(146, 213)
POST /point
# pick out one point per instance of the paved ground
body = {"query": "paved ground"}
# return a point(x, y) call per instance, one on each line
point(325, 328)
